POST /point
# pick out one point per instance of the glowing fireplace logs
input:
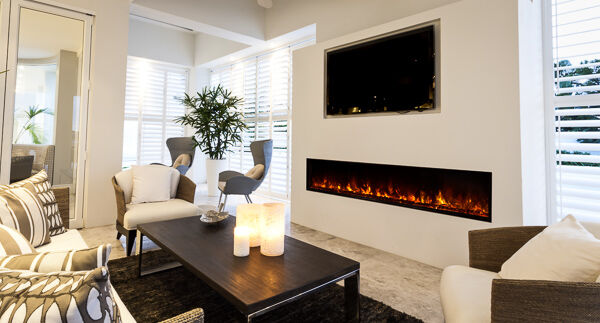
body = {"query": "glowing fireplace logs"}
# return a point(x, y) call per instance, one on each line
point(455, 192)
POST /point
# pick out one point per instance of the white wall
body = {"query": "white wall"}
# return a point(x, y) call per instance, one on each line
point(210, 47)
point(107, 101)
point(478, 129)
point(339, 17)
point(160, 42)
point(240, 16)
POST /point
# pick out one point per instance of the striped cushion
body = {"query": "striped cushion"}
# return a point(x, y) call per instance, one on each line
point(46, 195)
point(13, 243)
point(47, 262)
point(22, 210)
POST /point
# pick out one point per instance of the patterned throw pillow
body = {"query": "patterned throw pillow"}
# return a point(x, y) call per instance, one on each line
point(44, 191)
point(13, 243)
point(47, 262)
point(80, 296)
point(22, 210)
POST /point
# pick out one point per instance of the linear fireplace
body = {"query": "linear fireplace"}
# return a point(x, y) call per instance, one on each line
point(461, 193)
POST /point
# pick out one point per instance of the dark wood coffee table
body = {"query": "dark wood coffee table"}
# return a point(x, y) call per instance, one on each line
point(255, 284)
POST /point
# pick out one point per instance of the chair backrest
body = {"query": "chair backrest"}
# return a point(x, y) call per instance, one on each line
point(262, 151)
point(43, 157)
point(181, 145)
point(20, 167)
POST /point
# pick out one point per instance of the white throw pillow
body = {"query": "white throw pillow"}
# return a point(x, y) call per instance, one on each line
point(564, 251)
point(125, 181)
point(151, 183)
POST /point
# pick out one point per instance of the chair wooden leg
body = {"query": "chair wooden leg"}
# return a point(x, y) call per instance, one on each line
point(130, 241)
point(220, 196)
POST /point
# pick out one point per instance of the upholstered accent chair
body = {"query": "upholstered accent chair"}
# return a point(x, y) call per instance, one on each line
point(20, 167)
point(232, 182)
point(478, 294)
point(182, 150)
point(43, 157)
point(130, 215)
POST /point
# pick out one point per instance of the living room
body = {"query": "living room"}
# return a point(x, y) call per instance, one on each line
point(300, 161)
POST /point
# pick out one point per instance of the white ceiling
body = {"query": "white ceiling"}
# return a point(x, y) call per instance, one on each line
point(43, 35)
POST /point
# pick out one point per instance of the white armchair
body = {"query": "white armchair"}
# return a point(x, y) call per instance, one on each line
point(129, 215)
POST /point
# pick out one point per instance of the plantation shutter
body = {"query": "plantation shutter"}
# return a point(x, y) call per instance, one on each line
point(152, 102)
point(264, 82)
point(576, 101)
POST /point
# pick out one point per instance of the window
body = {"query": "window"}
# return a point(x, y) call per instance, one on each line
point(265, 83)
point(574, 102)
point(152, 95)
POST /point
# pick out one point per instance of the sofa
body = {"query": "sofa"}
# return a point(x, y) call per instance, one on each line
point(72, 239)
point(478, 294)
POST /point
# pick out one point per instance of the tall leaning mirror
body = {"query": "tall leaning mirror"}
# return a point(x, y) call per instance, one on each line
point(47, 97)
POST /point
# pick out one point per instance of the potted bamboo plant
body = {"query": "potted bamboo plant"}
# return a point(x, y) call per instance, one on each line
point(218, 123)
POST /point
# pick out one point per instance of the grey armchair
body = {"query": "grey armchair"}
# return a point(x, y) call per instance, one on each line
point(232, 182)
point(178, 146)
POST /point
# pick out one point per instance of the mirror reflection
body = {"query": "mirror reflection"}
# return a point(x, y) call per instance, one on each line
point(47, 94)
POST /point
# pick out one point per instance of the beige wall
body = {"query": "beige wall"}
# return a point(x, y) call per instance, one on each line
point(339, 17)
point(209, 47)
point(240, 16)
point(478, 129)
point(161, 43)
point(67, 88)
point(107, 100)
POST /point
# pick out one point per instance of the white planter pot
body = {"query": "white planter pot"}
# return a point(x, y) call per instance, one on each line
point(213, 168)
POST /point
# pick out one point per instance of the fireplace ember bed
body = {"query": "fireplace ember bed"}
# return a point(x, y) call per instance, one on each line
point(462, 193)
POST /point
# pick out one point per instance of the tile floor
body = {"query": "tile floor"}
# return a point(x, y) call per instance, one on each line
point(404, 284)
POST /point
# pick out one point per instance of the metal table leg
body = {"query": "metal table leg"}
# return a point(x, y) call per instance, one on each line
point(140, 254)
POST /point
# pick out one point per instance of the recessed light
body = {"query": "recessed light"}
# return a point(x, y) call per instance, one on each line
point(265, 3)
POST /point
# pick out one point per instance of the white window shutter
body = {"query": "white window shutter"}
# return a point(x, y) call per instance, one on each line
point(576, 102)
point(152, 102)
point(264, 82)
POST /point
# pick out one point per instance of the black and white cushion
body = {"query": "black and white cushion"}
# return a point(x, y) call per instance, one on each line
point(43, 189)
point(13, 243)
point(81, 296)
point(22, 210)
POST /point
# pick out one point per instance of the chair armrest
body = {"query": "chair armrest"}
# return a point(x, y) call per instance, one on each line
point(194, 316)
point(490, 248)
point(186, 190)
point(120, 197)
point(62, 200)
point(544, 301)
point(224, 176)
point(240, 185)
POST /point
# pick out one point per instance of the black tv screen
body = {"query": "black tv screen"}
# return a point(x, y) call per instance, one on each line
point(394, 73)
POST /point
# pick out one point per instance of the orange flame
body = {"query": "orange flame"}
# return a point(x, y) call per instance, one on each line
point(442, 200)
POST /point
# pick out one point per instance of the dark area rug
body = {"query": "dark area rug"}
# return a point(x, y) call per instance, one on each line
point(166, 294)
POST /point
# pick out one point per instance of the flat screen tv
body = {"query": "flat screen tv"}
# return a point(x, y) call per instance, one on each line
point(390, 73)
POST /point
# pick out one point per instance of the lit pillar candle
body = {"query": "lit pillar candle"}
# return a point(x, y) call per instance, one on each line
point(241, 241)
point(272, 229)
point(247, 215)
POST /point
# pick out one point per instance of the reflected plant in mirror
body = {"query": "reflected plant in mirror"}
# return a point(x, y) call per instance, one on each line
point(26, 124)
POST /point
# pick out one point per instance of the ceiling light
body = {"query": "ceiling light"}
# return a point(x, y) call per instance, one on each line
point(265, 3)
